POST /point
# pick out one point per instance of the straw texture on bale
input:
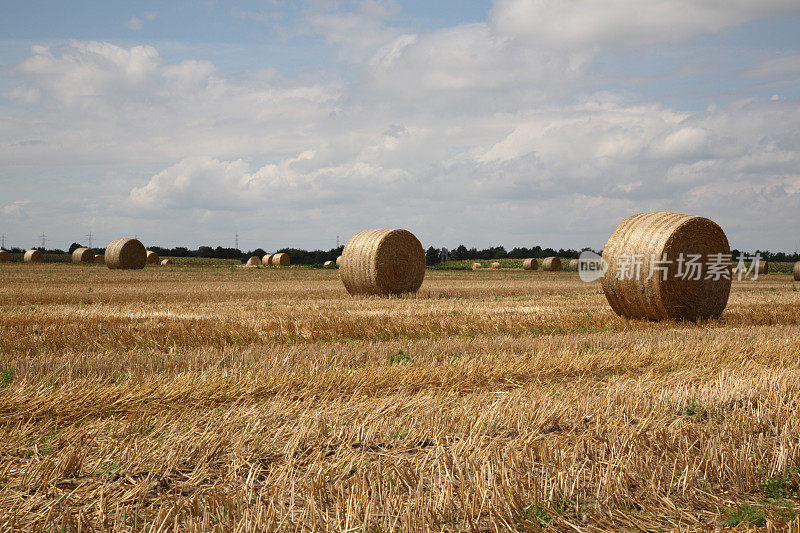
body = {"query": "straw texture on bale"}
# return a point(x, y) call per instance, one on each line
point(551, 264)
point(530, 264)
point(477, 266)
point(83, 255)
point(125, 254)
point(165, 262)
point(5, 257)
point(664, 237)
point(329, 263)
point(279, 260)
point(797, 271)
point(494, 265)
point(254, 261)
point(99, 258)
point(152, 258)
point(339, 261)
point(383, 262)
point(33, 256)
point(573, 264)
point(266, 259)
point(763, 267)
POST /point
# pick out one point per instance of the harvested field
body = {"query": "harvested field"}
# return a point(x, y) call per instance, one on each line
point(214, 397)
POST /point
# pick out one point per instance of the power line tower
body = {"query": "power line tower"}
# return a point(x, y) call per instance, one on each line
point(89, 238)
point(44, 239)
point(3, 241)
point(237, 240)
point(337, 240)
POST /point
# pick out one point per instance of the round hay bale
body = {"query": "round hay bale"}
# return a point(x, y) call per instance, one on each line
point(383, 261)
point(329, 264)
point(665, 236)
point(797, 271)
point(265, 260)
point(339, 261)
point(125, 254)
point(573, 264)
point(166, 262)
point(83, 255)
point(279, 260)
point(254, 261)
point(99, 258)
point(477, 266)
point(5, 257)
point(33, 256)
point(495, 265)
point(551, 264)
point(530, 264)
point(152, 258)
point(763, 267)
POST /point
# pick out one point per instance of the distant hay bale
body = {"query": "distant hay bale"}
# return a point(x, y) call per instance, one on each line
point(383, 262)
point(166, 262)
point(254, 261)
point(339, 261)
point(125, 254)
point(797, 271)
point(763, 267)
point(664, 237)
point(152, 258)
point(83, 255)
point(266, 259)
point(573, 264)
point(99, 258)
point(5, 257)
point(551, 264)
point(33, 256)
point(495, 265)
point(477, 266)
point(279, 260)
point(530, 264)
point(329, 263)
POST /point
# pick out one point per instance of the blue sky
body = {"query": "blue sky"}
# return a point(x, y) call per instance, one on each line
point(506, 122)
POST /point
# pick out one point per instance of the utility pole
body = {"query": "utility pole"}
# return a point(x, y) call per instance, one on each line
point(3, 241)
point(44, 237)
point(89, 238)
point(337, 240)
point(237, 240)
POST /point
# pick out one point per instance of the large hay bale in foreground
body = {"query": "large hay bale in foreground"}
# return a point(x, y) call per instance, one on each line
point(99, 258)
point(573, 264)
point(254, 261)
point(5, 256)
point(477, 266)
point(166, 262)
point(383, 262)
point(152, 258)
point(83, 255)
point(495, 265)
point(279, 260)
point(33, 256)
point(551, 264)
point(125, 254)
point(530, 264)
point(665, 235)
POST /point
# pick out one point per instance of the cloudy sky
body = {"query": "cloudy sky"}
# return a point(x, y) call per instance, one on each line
point(505, 122)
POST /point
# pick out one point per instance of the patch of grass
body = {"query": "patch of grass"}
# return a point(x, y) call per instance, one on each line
point(6, 377)
point(745, 514)
point(399, 358)
point(780, 487)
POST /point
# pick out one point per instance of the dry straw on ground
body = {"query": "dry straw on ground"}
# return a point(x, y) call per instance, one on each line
point(99, 258)
point(83, 255)
point(797, 271)
point(33, 256)
point(5, 257)
point(279, 260)
point(573, 264)
point(165, 262)
point(383, 262)
point(664, 235)
point(477, 266)
point(329, 263)
point(530, 264)
point(254, 261)
point(551, 264)
point(125, 254)
point(152, 258)
point(494, 265)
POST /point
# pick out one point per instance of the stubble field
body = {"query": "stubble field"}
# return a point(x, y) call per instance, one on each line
point(230, 399)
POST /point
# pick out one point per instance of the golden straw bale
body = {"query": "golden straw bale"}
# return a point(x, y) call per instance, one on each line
point(125, 254)
point(266, 259)
point(495, 265)
point(664, 237)
point(33, 256)
point(339, 261)
point(530, 264)
point(166, 262)
point(83, 255)
point(254, 261)
point(573, 264)
point(551, 264)
point(383, 262)
point(152, 258)
point(477, 266)
point(5, 257)
point(797, 271)
point(329, 263)
point(279, 260)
